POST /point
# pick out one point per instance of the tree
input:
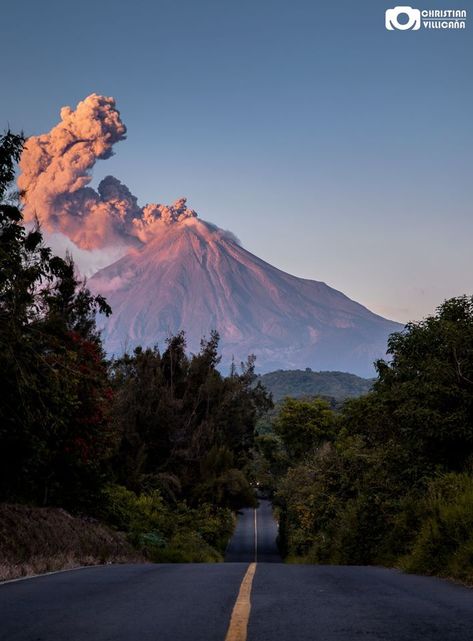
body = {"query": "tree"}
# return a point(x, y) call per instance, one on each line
point(304, 425)
point(186, 429)
point(426, 392)
point(369, 495)
point(55, 393)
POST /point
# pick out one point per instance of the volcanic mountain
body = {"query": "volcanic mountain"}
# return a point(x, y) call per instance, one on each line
point(196, 277)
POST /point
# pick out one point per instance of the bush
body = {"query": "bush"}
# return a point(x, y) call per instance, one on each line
point(167, 533)
point(444, 544)
point(185, 547)
point(126, 511)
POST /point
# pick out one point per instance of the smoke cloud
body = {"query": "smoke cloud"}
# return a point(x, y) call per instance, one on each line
point(56, 171)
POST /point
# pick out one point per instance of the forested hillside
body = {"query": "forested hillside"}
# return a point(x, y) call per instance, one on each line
point(299, 383)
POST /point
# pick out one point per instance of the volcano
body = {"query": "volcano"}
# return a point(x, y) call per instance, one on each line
point(197, 277)
point(180, 272)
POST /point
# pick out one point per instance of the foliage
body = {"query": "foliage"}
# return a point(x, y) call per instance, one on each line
point(158, 445)
point(444, 542)
point(303, 426)
point(390, 483)
point(428, 387)
point(164, 533)
point(185, 429)
point(55, 391)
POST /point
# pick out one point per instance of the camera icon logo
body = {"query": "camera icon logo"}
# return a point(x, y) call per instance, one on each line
point(410, 19)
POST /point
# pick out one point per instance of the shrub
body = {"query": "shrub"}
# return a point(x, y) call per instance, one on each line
point(167, 533)
point(444, 543)
point(185, 547)
point(126, 511)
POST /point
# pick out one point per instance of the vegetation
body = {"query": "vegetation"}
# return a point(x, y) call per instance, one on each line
point(388, 479)
point(157, 445)
point(185, 429)
point(34, 540)
point(299, 383)
point(169, 533)
point(54, 434)
point(158, 448)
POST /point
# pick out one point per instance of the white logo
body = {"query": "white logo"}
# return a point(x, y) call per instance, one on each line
point(410, 19)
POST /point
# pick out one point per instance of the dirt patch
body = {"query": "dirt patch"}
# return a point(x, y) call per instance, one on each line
point(36, 540)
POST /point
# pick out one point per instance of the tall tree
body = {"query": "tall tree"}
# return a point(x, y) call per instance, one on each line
point(55, 393)
point(186, 429)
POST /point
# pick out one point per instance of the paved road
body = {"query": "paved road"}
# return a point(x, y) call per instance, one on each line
point(255, 537)
point(194, 602)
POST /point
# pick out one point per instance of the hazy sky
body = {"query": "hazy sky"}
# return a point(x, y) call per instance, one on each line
point(333, 148)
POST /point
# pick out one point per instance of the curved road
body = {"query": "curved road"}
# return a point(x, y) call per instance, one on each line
point(195, 602)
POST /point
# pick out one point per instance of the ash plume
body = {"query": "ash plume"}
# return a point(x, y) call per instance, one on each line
point(56, 171)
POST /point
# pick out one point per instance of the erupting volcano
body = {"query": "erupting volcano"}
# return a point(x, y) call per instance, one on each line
point(180, 272)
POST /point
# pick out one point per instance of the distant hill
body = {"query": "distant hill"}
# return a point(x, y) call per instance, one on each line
point(299, 383)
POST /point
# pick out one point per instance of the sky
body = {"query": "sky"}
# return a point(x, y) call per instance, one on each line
point(333, 148)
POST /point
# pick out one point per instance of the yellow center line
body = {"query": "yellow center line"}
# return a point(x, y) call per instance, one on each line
point(256, 537)
point(238, 628)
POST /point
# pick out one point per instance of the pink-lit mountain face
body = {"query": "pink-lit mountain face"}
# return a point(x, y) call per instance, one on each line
point(196, 277)
point(178, 271)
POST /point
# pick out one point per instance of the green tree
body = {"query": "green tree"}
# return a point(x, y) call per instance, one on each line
point(424, 396)
point(55, 393)
point(186, 429)
point(369, 495)
point(304, 425)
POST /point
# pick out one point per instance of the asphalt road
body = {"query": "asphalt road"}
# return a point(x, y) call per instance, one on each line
point(194, 602)
point(255, 537)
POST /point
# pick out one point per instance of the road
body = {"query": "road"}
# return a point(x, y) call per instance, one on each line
point(237, 600)
point(255, 537)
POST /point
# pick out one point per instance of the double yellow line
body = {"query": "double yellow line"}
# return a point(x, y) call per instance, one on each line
point(238, 628)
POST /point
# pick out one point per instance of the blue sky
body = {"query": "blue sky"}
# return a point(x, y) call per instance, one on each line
point(333, 148)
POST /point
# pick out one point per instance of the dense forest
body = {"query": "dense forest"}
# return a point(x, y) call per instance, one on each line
point(388, 479)
point(156, 444)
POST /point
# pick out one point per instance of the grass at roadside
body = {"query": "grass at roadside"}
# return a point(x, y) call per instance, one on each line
point(132, 528)
point(35, 540)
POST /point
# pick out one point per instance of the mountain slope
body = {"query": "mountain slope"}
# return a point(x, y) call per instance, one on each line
point(196, 277)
